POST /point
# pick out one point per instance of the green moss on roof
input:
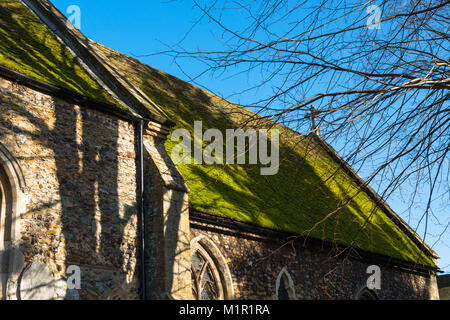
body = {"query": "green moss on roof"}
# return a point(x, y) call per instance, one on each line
point(311, 195)
point(310, 185)
point(28, 47)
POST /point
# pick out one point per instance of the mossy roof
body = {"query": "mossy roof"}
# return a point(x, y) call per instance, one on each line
point(302, 198)
point(27, 46)
point(311, 194)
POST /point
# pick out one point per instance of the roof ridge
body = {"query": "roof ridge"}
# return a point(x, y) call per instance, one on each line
point(259, 117)
point(78, 43)
point(143, 98)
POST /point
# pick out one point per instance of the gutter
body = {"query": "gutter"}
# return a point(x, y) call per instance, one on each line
point(66, 94)
point(198, 219)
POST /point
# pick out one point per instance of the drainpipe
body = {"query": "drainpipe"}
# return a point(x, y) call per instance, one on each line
point(141, 206)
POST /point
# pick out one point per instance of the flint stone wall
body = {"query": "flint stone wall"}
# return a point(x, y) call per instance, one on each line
point(79, 167)
point(256, 262)
point(80, 172)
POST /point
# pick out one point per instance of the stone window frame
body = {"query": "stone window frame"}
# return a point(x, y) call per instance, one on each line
point(13, 187)
point(217, 263)
point(284, 274)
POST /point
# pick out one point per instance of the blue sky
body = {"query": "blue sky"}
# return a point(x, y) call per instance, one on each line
point(146, 27)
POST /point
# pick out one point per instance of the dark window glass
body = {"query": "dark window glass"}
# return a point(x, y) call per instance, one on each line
point(282, 290)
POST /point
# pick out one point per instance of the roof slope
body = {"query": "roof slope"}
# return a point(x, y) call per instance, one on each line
point(29, 47)
point(302, 198)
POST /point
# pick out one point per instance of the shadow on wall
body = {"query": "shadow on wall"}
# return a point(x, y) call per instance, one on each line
point(77, 213)
point(444, 286)
point(82, 190)
point(167, 235)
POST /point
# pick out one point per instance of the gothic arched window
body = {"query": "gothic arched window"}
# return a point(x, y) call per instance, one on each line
point(5, 229)
point(285, 289)
point(211, 278)
point(5, 210)
point(12, 184)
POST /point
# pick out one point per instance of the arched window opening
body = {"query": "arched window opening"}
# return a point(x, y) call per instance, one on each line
point(12, 184)
point(366, 294)
point(283, 294)
point(5, 229)
point(285, 289)
point(5, 210)
point(211, 278)
point(205, 278)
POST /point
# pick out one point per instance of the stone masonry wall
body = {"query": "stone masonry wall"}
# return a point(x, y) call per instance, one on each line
point(80, 172)
point(256, 263)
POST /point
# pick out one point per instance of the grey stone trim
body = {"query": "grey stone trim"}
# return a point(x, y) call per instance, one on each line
point(14, 170)
point(155, 136)
point(167, 253)
point(290, 284)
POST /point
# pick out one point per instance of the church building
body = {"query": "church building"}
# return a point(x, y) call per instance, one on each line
point(94, 206)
